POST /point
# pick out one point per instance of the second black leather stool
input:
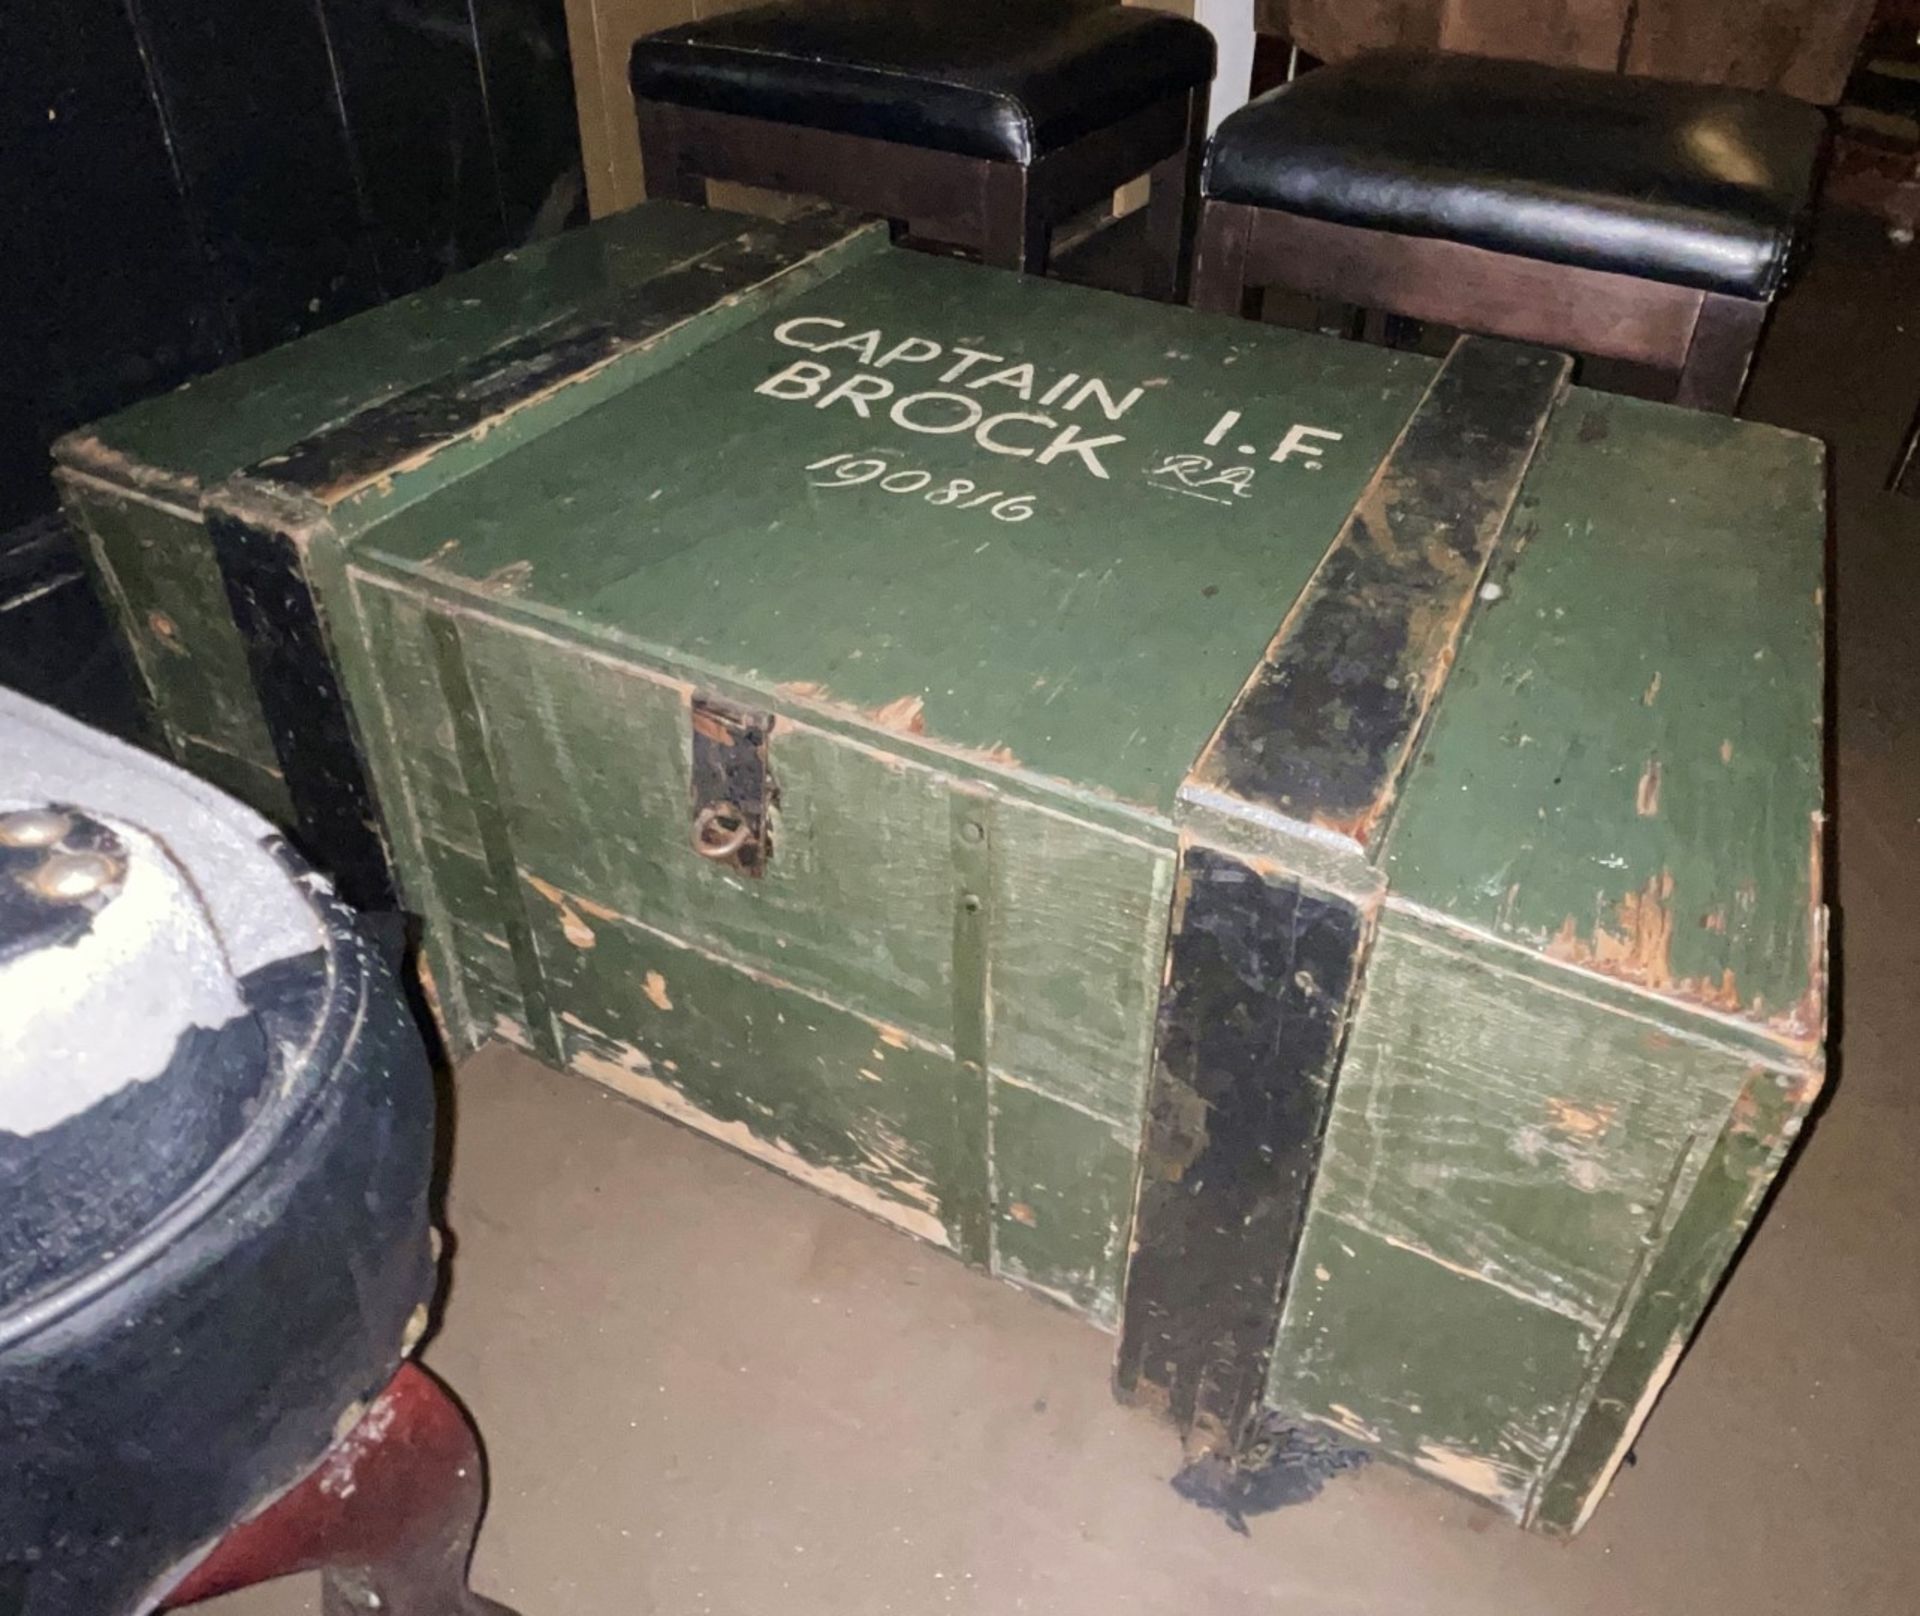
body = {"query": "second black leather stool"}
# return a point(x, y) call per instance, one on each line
point(1624, 217)
point(984, 124)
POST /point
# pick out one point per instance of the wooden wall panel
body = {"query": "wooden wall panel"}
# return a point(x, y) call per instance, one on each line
point(1803, 47)
point(191, 181)
point(249, 97)
point(414, 92)
point(110, 296)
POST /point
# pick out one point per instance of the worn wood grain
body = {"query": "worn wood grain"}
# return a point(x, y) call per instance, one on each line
point(480, 765)
point(1511, 1159)
point(1681, 1280)
point(1078, 928)
point(486, 985)
point(856, 902)
point(1260, 973)
point(1366, 1325)
point(1506, 1132)
point(831, 1098)
point(1063, 1199)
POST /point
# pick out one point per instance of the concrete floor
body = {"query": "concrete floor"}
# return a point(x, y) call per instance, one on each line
point(706, 1389)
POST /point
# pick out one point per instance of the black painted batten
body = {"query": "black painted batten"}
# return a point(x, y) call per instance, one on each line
point(279, 616)
point(1268, 943)
point(1261, 974)
point(1322, 730)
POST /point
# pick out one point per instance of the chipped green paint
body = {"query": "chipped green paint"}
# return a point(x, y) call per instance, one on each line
point(853, 904)
point(829, 1097)
point(1063, 1189)
point(1509, 1150)
point(1506, 1130)
point(1626, 772)
point(153, 568)
point(1592, 1022)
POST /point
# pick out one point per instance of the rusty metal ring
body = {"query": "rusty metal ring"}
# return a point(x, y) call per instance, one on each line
point(730, 841)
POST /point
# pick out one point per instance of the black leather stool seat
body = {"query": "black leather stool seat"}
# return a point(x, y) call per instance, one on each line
point(1005, 79)
point(1687, 184)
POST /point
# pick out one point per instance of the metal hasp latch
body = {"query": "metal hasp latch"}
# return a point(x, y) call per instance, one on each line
point(733, 790)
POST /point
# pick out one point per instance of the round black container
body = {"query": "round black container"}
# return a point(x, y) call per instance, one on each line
point(216, 1124)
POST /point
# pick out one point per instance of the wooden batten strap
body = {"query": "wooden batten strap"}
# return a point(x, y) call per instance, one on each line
point(1322, 730)
point(266, 567)
point(342, 458)
point(1265, 955)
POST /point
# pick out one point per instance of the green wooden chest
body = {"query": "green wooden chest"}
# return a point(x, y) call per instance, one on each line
point(1305, 854)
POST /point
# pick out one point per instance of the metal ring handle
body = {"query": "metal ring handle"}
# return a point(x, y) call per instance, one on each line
point(729, 841)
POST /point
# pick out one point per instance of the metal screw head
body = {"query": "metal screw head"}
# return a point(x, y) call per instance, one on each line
point(33, 827)
point(73, 877)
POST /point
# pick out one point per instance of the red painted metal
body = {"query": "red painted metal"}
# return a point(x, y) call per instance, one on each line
point(388, 1516)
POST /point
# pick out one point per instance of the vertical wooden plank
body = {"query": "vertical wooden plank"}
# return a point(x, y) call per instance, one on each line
point(1260, 973)
point(413, 103)
point(1078, 923)
point(600, 37)
point(972, 849)
point(1725, 333)
point(391, 677)
point(1063, 1190)
point(483, 793)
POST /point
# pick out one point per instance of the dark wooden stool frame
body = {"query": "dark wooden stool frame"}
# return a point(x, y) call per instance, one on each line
point(1007, 211)
point(1703, 340)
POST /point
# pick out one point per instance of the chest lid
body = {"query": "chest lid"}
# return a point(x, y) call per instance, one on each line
point(1044, 527)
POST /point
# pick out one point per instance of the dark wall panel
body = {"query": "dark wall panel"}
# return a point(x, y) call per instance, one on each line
point(249, 93)
point(108, 295)
point(416, 101)
point(185, 182)
point(529, 86)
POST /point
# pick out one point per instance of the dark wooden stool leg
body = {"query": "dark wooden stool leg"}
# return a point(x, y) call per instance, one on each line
point(388, 1518)
point(1725, 334)
point(1173, 202)
point(662, 156)
point(1017, 235)
point(1220, 259)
